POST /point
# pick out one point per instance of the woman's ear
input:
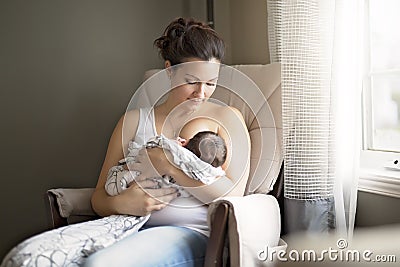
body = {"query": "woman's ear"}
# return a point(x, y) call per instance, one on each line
point(167, 66)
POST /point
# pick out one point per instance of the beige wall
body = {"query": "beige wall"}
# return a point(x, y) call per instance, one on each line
point(67, 72)
point(243, 25)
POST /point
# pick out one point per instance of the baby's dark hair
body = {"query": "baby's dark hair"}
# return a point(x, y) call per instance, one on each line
point(188, 38)
point(209, 147)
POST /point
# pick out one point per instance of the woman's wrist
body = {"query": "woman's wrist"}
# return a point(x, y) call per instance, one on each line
point(104, 205)
point(115, 205)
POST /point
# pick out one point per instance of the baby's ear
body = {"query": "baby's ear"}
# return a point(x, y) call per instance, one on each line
point(182, 141)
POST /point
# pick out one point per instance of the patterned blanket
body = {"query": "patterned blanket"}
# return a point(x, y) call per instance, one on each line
point(70, 245)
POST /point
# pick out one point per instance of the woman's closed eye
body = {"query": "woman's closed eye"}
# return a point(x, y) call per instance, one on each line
point(191, 82)
point(210, 84)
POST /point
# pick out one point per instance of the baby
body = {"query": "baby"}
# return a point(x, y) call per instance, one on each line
point(206, 145)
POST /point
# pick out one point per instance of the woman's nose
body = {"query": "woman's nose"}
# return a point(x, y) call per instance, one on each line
point(200, 90)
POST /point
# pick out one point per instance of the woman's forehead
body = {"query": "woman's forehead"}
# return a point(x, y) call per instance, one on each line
point(198, 70)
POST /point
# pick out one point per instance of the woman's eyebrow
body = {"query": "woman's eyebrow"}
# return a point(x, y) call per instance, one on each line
point(198, 79)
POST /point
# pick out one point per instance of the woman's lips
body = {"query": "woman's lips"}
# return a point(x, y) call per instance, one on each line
point(196, 100)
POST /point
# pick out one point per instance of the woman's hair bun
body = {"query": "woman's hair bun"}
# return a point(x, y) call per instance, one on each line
point(188, 38)
point(161, 43)
point(178, 32)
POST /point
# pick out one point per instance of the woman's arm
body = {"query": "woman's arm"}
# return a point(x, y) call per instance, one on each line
point(133, 200)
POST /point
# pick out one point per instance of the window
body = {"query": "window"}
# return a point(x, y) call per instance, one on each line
point(381, 107)
point(382, 81)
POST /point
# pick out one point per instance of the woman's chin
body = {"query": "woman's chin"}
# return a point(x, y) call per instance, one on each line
point(193, 104)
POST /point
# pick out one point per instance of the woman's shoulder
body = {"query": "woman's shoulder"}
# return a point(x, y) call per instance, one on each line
point(131, 114)
point(129, 117)
point(129, 123)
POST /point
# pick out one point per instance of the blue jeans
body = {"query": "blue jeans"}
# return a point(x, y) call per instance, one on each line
point(156, 246)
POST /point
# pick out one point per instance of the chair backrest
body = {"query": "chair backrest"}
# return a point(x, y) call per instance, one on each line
point(255, 90)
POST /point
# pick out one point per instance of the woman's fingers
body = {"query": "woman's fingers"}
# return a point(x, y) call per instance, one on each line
point(147, 184)
point(144, 201)
point(159, 206)
point(161, 202)
point(157, 203)
point(157, 193)
point(161, 196)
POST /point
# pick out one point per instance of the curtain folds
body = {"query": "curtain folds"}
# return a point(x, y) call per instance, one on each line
point(318, 44)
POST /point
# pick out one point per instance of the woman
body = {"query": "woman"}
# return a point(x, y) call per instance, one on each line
point(176, 234)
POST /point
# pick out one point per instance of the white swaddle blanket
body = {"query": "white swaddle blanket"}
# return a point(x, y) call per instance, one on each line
point(70, 245)
point(118, 178)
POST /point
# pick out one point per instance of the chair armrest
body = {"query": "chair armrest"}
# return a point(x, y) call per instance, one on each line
point(253, 223)
point(216, 241)
point(53, 211)
point(65, 205)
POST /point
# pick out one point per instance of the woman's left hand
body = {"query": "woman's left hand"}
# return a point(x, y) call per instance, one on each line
point(151, 162)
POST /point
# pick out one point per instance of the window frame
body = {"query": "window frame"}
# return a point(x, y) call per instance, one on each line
point(374, 177)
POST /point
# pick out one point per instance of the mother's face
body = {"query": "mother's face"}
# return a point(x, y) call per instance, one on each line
point(193, 82)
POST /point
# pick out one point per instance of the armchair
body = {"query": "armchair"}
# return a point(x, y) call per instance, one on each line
point(73, 205)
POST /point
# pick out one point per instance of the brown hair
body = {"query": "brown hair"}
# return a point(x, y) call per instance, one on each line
point(186, 38)
point(209, 147)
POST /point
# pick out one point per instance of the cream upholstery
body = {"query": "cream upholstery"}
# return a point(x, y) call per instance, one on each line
point(266, 132)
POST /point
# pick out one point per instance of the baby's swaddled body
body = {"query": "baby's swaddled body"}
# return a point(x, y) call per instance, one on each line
point(200, 158)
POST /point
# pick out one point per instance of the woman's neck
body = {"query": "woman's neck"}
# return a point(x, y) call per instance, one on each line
point(171, 119)
point(174, 112)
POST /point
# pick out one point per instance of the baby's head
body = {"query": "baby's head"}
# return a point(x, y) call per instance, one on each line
point(209, 147)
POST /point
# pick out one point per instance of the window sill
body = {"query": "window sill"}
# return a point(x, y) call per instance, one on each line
point(374, 178)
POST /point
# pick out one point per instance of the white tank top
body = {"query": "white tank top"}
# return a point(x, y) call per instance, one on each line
point(188, 211)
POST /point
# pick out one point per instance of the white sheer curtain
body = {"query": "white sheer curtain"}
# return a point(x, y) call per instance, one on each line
point(347, 67)
point(319, 45)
